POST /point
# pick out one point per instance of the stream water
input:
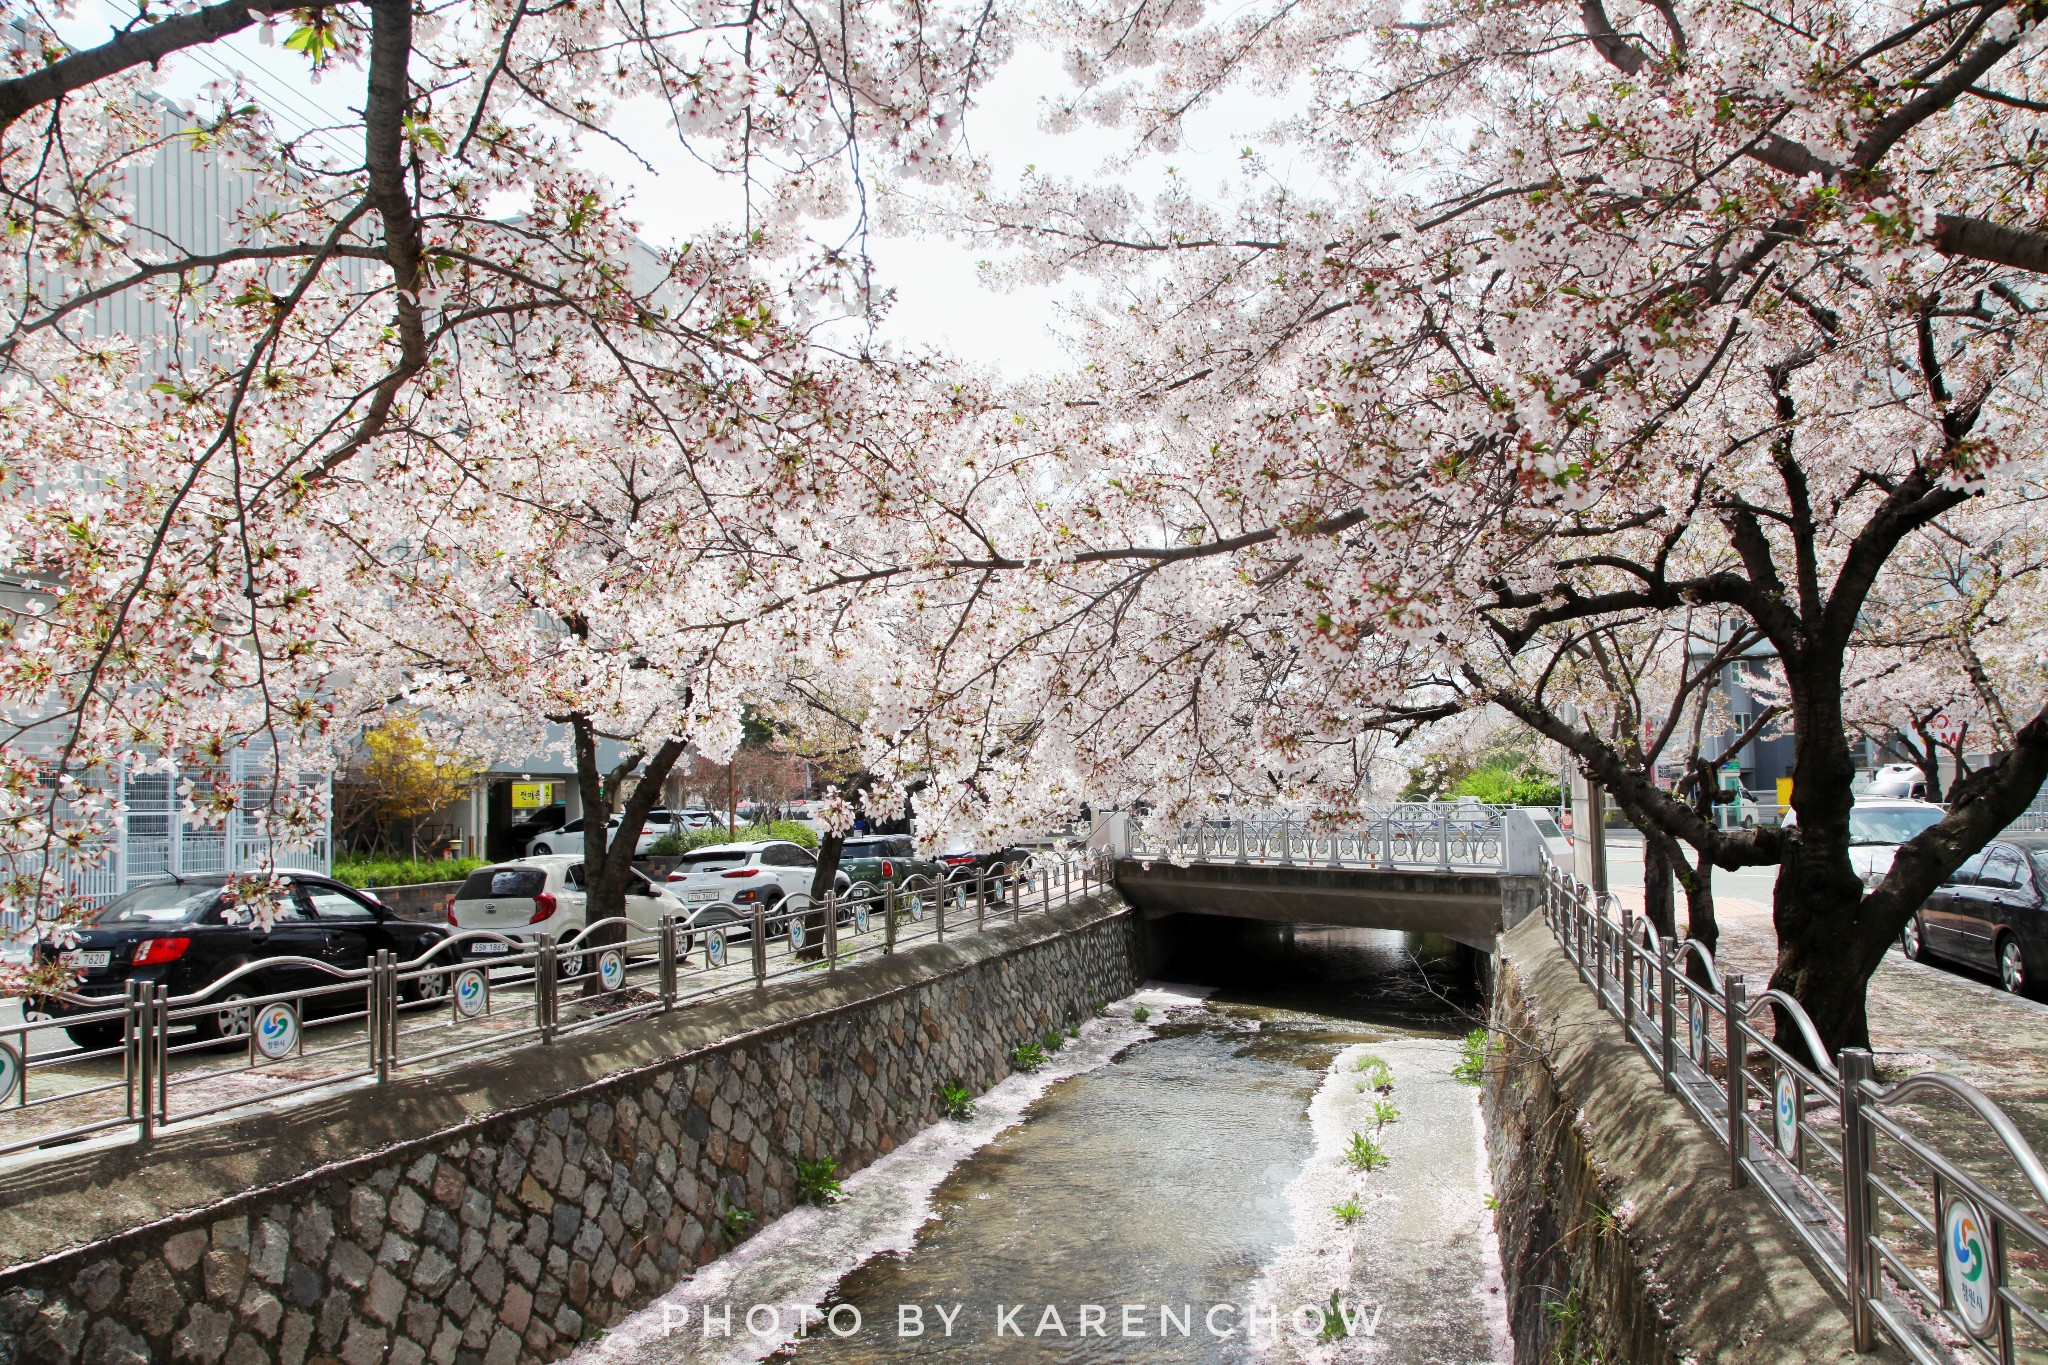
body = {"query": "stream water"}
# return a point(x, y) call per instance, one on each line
point(1174, 1189)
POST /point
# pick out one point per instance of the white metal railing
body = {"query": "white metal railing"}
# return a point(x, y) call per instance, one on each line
point(130, 1063)
point(1440, 836)
point(1933, 1240)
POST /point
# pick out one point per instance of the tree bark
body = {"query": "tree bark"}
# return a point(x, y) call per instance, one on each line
point(608, 859)
point(821, 886)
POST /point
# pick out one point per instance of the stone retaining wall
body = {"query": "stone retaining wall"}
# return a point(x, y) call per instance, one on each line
point(525, 1227)
point(1620, 1239)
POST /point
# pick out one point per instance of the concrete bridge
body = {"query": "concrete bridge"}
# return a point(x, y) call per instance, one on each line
point(1461, 870)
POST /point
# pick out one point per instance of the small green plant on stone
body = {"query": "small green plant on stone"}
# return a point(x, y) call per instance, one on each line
point(1334, 1326)
point(1027, 1057)
point(1489, 1202)
point(1364, 1153)
point(1140, 1014)
point(816, 1182)
point(1384, 1113)
point(1348, 1212)
point(1471, 1067)
point(1101, 1007)
point(1054, 1041)
point(733, 1220)
point(957, 1102)
point(1378, 1075)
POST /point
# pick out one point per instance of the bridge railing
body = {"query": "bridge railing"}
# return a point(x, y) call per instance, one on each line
point(139, 1061)
point(1438, 836)
point(1921, 1201)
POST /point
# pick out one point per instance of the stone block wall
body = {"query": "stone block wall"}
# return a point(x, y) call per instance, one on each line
point(513, 1237)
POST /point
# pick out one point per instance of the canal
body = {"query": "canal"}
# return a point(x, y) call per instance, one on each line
point(1269, 1158)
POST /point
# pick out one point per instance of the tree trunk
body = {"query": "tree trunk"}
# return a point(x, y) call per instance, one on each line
point(1660, 855)
point(607, 856)
point(821, 886)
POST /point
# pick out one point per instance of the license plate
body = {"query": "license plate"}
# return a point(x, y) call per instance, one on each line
point(484, 949)
point(700, 895)
point(98, 958)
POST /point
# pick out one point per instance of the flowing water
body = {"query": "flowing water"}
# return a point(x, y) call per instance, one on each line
point(1164, 1191)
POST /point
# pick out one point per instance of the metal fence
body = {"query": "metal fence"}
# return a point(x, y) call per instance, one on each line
point(165, 1059)
point(1919, 1198)
point(1442, 836)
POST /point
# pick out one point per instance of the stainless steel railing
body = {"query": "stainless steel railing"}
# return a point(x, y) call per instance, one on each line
point(1922, 1202)
point(1437, 836)
point(238, 1044)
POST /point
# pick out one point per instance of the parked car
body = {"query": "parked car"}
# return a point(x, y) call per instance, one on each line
point(879, 858)
point(1878, 826)
point(1898, 780)
point(1992, 913)
point(569, 838)
point(543, 821)
point(765, 872)
point(962, 863)
point(545, 895)
point(176, 933)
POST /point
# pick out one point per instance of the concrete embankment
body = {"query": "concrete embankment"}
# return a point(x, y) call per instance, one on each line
point(502, 1211)
point(1619, 1236)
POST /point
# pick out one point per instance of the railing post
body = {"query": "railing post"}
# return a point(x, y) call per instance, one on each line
point(1443, 841)
point(1858, 1207)
point(941, 915)
point(888, 917)
point(1016, 899)
point(1667, 997)
point(1044, 891)
point(384, 982)
point(831, 932)
point(980, 898)
point(1599, 951)
point(1628, 974)
point(759, 939)
point(135, 1060)
point(1736, 998)
point(157, 1043)
point(671, 957)
point(545, 973)
point(1243, 843)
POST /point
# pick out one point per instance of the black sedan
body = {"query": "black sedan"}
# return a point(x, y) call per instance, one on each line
point(1991, 913)
point(967, 864)
point(178, 933)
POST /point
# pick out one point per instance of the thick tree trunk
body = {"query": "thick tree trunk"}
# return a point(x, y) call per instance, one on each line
point(608, 854)
point(821, 885)
point(1660, 853)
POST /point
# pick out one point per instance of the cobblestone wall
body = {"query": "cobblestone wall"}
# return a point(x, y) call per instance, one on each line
point(513, 1238)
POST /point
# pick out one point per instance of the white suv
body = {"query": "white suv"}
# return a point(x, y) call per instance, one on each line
point(544, 895)
point(763, 873)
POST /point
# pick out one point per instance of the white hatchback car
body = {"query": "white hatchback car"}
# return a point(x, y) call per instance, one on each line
point(544, 895)
point(569, 838)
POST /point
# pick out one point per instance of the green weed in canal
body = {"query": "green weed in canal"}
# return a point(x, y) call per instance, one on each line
point(1054, 1041)
point(1384, 1112)
point(957, 1102)
point(1334, 1325)
point(816, 1182)
point(1027, 1057)
point(1364, 1153)
point(733, 1220)
point(1348, 1212)
point(1378, 1075)
point(1140, 1015)
point(1471, 1067)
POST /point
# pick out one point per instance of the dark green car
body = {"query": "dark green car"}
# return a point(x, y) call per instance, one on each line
point(880, 859)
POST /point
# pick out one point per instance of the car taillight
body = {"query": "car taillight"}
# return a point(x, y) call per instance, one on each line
point(887, 871)
point(957, 858)
point(742, 872)
point(154, 950)
point(448, 906)
point(543, 907)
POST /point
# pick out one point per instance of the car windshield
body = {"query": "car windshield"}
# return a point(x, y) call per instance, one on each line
point(511, 883)
point(163, 903)
point(1889, 824)
point(865, 848)
point(712, 860)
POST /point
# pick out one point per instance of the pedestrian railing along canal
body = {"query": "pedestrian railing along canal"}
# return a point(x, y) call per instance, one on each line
point(1436, 836)
point(238, 1043)
point(1919, 1198)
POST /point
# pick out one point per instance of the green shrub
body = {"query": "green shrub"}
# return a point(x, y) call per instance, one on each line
point(957, 1101)
point(1364, 1153)
point(816, 1182)
point(1384, 1113)
point(1348, 1212)
point(367, 872)
point(1140, 1014)
point(1027, 1057)
point(670, 845)
point(1471, 1067)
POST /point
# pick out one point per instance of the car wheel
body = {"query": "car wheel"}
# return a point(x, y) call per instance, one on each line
point(229, 1017)
point(94, 1037)
point(2012, 966)
point(568, 965)
point(1910, 942)
point(428, 988)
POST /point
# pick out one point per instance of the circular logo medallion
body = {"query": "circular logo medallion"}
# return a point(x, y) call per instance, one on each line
point(714, 947)
point(1786, 1112)
point(469, 992)
point(1966, 1263)
point(917, 904)
point(276, 1031)
point(10, 1071)
point(611, 969)
point(860, 918)
point(796, 932)
point(1699, 1032)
